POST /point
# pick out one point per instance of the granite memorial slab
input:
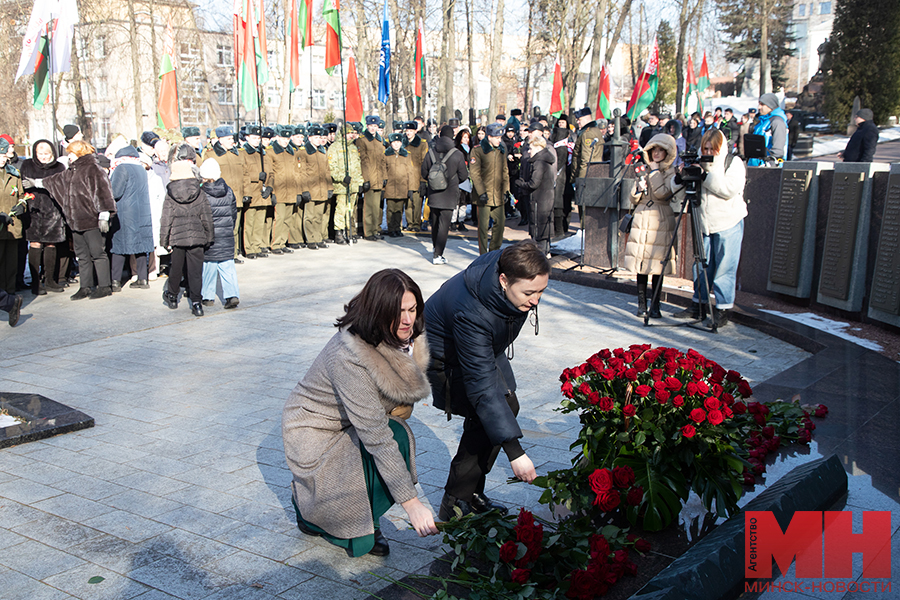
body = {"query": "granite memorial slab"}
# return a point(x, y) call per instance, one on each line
point(37, 418)
point(884, 293)
point(842, 276)
point(793, 243)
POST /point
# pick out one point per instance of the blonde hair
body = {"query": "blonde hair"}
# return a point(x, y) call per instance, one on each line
point(714, 137)
point(538, 142)
point(80, 148)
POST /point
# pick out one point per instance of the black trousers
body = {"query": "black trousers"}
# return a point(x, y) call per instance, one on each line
point(190, 258)
point(90, 248)
point(475, 456)
point(9, 264)
point(440, 228)
point(118, 265)
point(541, 227)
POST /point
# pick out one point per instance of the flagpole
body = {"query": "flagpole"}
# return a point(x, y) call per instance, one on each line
point(310, 82)
point(177, 99)
point(346, 157)
point(50, 77)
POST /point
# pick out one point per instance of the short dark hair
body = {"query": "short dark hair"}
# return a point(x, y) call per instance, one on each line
point(523, 260)
point(373, 313)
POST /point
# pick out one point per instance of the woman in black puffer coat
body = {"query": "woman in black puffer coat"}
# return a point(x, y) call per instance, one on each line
point(218, 260)
point(46, 225)
point(442, 203)
point(541, 187)
point(186, 227)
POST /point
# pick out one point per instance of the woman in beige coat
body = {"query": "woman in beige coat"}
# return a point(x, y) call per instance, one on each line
point(344, 426)
point(647, 251)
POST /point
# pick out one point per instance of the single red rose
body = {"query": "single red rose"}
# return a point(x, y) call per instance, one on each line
point(673, 383)
point(596, 363)
point(716, 417)
point(702, 387)
point(688, 431)
point(739, 408)
point(601, 480)
point(696, 374)
point(635, 496)
point(608, 374)
point(594, 397)
point(606, 403)
point(660, 386)
point(628, 357)
point(629, 410)
point(809, 425)
point(608, 500)
point(581, 585)
point(620, 556)
point(623, 477)
point(641, 365)
point(662, 397)
point(508, 551)
point(600, 546)
point(525, 518)
point(711, 404)
point(728, 412)
point(715, 390)
point(642, 545)
point(727, 399)
point(718, 374)
point(656, 374)
point(585, 388)
point(565, 375)
point(821, 410)
point(805, 436)
point(568, 389)
point(760, 420)
point(691, 388)
point(520, 576)
point(631, 374)
point(698, 415)
point(744, 389)
point(605, 354)
point(642, 391)
point(732, 376)
point(768, 432)
point(759, 469)
point(670, 368)
point(677, 401)
point(754, 408)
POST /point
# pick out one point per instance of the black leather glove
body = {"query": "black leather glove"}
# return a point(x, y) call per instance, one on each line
point(262, 176)
point(384, 184)
point(520, 183)
point(246, 200)
point(266, 192)
point(346, 182)
point(4, 219)
point(362, 189)
point(410, 194)
point(306, 197)
point(678, 179)
point(422, 189)
point(17, 210)
point(483, 199)
point(299, 199)
point(330, 194)
point(365, 187)
point(274, 200)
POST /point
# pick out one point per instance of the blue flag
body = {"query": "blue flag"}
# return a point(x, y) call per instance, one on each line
point(384, 68)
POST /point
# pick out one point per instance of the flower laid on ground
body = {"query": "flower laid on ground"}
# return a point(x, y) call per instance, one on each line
point(678, 421)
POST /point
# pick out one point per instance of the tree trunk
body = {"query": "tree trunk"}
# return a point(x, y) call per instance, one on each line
point(764, 50)
point(594, 76)
point(80, 116)
point(153, 49)
point(679, 57)
point(445, 78)
point(617, 32)
point(135, 69)
point(496, 51)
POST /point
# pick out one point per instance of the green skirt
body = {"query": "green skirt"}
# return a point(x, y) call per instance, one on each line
point(380, 498)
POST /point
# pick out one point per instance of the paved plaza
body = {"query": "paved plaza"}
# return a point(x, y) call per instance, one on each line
point(181, 489)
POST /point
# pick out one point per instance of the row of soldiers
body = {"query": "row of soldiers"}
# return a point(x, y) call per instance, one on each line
point(294, 183)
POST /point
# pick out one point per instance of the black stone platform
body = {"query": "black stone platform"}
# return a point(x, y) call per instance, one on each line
point(44, 418)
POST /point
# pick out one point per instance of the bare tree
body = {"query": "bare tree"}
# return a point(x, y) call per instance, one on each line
point(448, 61)
point(135, 67)
point(686, 19)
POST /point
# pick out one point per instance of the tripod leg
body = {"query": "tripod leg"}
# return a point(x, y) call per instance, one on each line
point(701, 262)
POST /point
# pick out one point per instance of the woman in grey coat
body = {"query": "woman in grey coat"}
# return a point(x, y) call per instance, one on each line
point(346, 440)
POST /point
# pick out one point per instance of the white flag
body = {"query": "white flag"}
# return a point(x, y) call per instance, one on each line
point(66, 15)
point(41, 15)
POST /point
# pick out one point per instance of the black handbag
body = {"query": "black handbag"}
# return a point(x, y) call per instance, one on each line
point(625, 223)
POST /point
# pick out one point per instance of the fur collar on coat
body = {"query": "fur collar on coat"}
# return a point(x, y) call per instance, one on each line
point(667, 143)
point(399, 377)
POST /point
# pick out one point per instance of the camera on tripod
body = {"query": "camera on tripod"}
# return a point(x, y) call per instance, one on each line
point(692, 175)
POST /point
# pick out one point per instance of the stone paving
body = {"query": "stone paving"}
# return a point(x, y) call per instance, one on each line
point(181, 488)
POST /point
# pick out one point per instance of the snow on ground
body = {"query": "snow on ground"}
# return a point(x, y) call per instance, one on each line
point(570, 244)
point(837, 328)
point(832, 144)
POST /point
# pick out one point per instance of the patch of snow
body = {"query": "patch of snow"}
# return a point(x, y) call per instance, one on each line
point(9, 421)
point(836, 328)
point(570, 244)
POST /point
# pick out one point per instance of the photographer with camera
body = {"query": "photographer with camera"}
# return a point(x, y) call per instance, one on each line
point(720, 209)
point(648, 250)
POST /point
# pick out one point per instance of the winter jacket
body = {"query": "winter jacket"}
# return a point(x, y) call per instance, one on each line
point(470, 324)
point(342, 403)
point(10, 195)
point(583, 153)
point(722, 203)
point(371, 157)
point(83, 192)
point(417, 149)
point(862, 144)
point(285, 173)
point(252, 185)
point(340, 169)
point(649, 249)
point(186, 216)
point(457, 172)
point(132, 227)
point(401, 177)
point(542, 180)
point(315, 177)
point(232, 165)
point(46, 223)
point(224, 213)
point(489, 174)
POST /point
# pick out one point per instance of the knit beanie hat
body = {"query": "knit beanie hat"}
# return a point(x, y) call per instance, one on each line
point(210, 169)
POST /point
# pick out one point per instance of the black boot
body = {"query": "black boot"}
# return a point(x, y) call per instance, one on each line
point(655, 294)
point(642, 296)
point(34, 265)
point(695, 311)
point(170, 299)
point(49, 266)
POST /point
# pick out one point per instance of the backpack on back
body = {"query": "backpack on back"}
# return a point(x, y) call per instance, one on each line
point(438, 180)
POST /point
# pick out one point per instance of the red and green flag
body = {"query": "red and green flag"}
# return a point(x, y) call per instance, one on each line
point(703, 82)
point(294, 47)
point(690, 84)
point(645, 89)
point(262, 47)
point(332, 14)
point(245, 53)
point(354, 107)
point(167, 106)
point(604, 111)
point(557, 96)
point(41, 73)
point(306, 13)
point(420, 61)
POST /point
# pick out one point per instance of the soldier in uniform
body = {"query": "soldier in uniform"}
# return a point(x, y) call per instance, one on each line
point(257, 196)
point(331, 129)
point(490, 182)
point(231, 164)
point(402, 182)
point(316, 185)
point(417, 149)
point(371, 156)
point(328, 221)
point(295, 221)
point(191, 137)
point(286, 183)
point(347, 179)
point(589, 145)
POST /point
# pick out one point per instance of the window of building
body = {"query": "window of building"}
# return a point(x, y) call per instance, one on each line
point(100, 46)
point(319, 99)
point(824, 8)
point(224, 93)
point(188, 51)
point(224, 57)
point(802, 9)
